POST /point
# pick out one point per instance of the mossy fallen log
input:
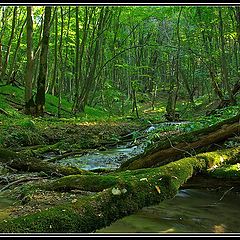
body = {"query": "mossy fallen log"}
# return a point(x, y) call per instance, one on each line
point(176, 147)
point(227, 175)
point(120, 194)
point(30, 164)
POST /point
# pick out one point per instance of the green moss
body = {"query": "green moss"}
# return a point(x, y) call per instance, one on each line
point(6, 155)
point(220, 157)
point(123, 193)
point(227, 172)
point(93, 183)
point(54, 220)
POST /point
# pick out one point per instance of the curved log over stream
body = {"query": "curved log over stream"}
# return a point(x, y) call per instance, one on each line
point(179, 146)
point(125, 193)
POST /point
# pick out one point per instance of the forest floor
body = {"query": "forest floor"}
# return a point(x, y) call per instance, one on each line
point(93, 130)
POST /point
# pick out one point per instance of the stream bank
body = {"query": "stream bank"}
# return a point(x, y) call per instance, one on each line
point(44, 193)
point(190, 211)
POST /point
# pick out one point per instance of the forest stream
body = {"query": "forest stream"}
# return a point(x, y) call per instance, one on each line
point(119, 119)
point(190, 211)
point(113, 157)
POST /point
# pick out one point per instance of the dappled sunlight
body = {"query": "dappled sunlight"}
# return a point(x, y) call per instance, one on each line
point(219, 228)
point(170, 230)
point(156, 110)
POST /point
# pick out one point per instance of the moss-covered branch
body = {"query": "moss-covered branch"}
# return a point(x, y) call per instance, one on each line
point(180, 146)
point(122, 193)
point(30, 164)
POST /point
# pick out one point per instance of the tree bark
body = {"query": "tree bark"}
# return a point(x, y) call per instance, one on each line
point(52, 88)
point(13, 62)
point(5, 63)
point(30, 64)
point(41, 82)
point(60, 79)
point(224, 62)
point(171, 114)
point(170, 149)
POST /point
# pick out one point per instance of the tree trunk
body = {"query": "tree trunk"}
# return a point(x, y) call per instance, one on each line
point(12, 66)
point(76, 72)
point(116, 195)
point(41, 82)
point(52, 87)
point(87, 82)
point(224, 61)
point(60, 79)
point(5, 63)
point(170, 149)
point(29, 104)
point(210, 59)
point(171, 114)
point(64, 75)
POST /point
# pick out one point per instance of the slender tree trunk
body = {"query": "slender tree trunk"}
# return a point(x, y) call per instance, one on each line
point(174, 84)
point(93, 60)
point(61, 66)
point(52, 87)
point(30, 63)
point(77, 84)
point(211, 61)
point(185, 81)
point(86, 27)
point(64, 75)
point(11, 70)
point(5, 63)
point(224, 59)
point(41, 82)
point(1, 34)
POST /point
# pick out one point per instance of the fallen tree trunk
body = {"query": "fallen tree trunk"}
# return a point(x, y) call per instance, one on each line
point(170, 149)
point(29, 164)
point(120, 194)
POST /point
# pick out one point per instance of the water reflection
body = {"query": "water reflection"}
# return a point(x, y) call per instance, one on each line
point(190, 211)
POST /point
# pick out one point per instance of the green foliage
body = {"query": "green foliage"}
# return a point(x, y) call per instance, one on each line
point(52, 106)
point(93, 114)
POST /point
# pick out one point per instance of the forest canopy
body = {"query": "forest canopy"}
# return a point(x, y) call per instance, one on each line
point(114, 57)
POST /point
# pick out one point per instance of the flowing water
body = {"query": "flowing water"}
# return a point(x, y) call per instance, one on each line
point(112, 158)
point(190, 211)
point(108, 159)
